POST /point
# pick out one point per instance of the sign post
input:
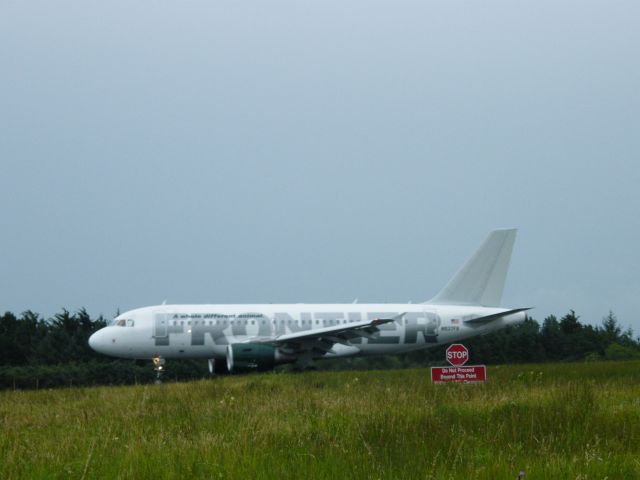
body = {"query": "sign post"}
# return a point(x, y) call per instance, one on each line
point(458, 355)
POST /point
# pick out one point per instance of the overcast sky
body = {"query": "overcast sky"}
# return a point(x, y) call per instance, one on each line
point(296, 151)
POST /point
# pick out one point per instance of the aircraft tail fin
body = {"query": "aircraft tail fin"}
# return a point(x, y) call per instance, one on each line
point(481, 280)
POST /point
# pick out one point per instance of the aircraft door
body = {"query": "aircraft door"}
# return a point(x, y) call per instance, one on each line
point(160, 324)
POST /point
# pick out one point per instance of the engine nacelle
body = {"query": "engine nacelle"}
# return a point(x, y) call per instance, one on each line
point(247, 357)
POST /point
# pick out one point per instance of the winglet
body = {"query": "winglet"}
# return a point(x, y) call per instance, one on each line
point(380, 321)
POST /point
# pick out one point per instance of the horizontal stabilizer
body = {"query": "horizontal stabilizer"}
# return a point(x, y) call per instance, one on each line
point(495, 316)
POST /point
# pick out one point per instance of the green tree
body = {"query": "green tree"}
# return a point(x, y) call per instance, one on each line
point(612, 329)
point(570, 324)
point(552, 338)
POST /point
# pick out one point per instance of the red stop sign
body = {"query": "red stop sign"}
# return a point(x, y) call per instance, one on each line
point(457, 354)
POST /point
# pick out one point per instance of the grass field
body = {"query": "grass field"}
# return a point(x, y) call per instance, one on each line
point(552, 421)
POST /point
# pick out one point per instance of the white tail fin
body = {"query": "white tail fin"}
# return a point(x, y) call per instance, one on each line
point(481, 280)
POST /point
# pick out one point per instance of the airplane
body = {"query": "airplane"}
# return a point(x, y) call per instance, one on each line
point(257, 337)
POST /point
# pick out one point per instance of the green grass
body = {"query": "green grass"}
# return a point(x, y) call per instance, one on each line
point(553, 421)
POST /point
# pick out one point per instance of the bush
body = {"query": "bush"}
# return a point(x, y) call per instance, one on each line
point(615, 351)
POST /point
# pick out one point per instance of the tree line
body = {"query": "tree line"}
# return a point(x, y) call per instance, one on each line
point(41, 353)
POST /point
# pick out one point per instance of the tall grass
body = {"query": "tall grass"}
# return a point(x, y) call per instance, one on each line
point(573, 421)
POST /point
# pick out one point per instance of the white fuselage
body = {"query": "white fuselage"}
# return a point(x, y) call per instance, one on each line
point(261, 336)
point(205, 331)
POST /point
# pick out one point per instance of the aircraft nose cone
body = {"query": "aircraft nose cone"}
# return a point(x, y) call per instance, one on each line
point(95, 341)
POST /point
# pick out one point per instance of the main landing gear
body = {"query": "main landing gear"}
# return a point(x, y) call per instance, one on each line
point(158, 367)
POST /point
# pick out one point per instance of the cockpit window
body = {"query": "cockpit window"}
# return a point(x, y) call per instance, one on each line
point(122, 322)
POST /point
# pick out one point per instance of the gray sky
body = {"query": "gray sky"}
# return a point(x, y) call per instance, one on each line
point(296, 151)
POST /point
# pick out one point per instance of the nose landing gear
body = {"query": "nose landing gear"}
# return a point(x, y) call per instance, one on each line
point(158, 367)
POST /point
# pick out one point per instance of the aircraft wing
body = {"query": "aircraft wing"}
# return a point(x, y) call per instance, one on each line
point(322, 340)
point(493, 316)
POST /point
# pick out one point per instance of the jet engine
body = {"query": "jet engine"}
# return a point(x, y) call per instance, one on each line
point(249, 357)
